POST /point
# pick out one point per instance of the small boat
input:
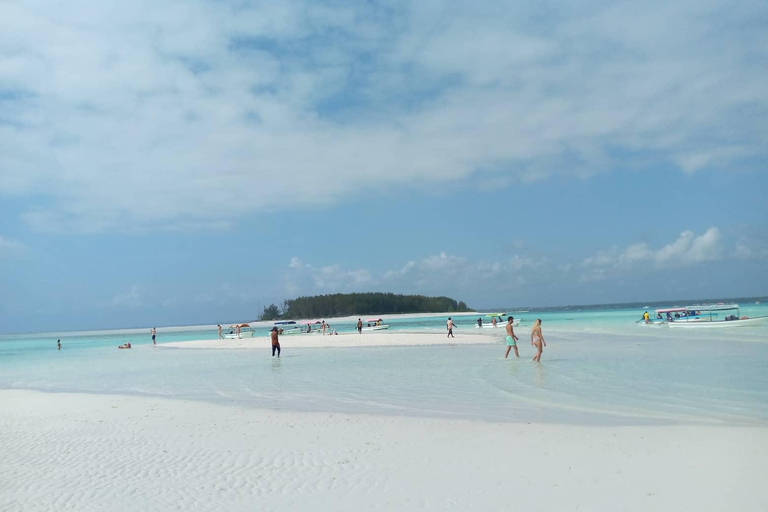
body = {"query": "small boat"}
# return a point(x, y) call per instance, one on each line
point(500, 321)
point(707, 317)
point(287, 327)
point(245, 331)
point(375, 324)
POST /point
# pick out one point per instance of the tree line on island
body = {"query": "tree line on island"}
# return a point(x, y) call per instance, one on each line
point(347, 304)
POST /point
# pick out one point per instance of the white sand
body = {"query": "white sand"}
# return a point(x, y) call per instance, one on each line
point(366, 339)
point(93, 452)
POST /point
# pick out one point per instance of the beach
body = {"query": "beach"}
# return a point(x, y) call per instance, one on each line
point(614, 417)
point(98, 452)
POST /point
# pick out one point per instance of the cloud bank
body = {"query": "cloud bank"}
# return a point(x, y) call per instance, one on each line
point(193, 114)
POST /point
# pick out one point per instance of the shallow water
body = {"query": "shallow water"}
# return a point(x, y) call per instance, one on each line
point(598, 368)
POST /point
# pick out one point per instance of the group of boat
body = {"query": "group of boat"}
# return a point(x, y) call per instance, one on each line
point(288, 327)
point(701, 316)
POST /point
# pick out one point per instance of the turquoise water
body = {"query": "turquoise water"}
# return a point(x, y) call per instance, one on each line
point(599, 368)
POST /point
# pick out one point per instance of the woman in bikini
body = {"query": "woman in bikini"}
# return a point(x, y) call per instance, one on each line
point(537, 340)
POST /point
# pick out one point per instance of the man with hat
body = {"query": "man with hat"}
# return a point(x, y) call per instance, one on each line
point(275, 342)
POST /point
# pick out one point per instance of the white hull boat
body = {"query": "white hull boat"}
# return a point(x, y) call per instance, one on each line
point(499, 325)
point(376, 328)
point(716, 324)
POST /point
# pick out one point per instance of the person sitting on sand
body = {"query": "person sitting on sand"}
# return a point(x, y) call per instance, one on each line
point(275, 342)
point(125, 345)
point(511, 338)
point(537, 340)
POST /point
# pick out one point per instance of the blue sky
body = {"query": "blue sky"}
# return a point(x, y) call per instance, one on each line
point(189, 162)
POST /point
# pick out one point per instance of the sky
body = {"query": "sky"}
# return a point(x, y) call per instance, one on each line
point(189, 162)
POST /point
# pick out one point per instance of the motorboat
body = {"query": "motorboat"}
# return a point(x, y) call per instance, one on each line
point(287, 327)
point(238, 331)
point(501, 321)
point(375, 324)
point(708, 317)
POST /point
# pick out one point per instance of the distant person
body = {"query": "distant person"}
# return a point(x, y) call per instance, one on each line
point(221, 336)
point(647, 317)
point(479, 322)
point(511, 338)
point(154, 332)
point(125, 345)
point(323, 326)
point(237, 331)
point(493, 321)
point(58, 344)
point(449, 325)
point(309, 328)
point(537, 340)
point(275, 342)
point(359, 326)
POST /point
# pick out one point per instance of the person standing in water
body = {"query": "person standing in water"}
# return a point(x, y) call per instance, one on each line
point(359, 326)
point(220, 335)
point(154, 332)
point(275, 342)
point(449, 326)
point(537, 340)
point(58, 344)
point(511, 338)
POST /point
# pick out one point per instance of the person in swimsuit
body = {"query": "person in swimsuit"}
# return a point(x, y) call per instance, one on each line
point(275, 342)
point(58, 344)
point(493, 321)
point(125, 345)
point(479, 322)
point(359, 326)
point(511, 338)
point(154, 332)
point(449, 325)
point(221, 337)
point(537, 340)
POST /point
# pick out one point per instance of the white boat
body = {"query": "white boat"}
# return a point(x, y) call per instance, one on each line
point(501, 321)
point(246, 331)
point(375, 324)
point(708, 317)
point(286, 327)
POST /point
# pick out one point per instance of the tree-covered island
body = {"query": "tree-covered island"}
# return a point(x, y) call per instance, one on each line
point(346, 304)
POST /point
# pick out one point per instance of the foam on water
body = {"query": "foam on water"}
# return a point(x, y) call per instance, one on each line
point(599, 367)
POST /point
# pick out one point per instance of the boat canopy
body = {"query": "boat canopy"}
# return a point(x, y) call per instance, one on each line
point(311, 322)
point(374, 320)
point(494, 314)
point(672, 310)
point(713, 307)
point(238, 325)
point(286, 322)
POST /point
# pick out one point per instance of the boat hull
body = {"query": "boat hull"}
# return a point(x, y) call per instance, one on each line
point(376, 328)
point(716, 324)
point(499, 325)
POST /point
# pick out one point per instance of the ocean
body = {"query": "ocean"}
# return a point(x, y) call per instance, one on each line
point(599, 367)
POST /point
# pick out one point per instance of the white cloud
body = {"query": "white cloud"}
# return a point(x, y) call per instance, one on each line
point(133, 298)
point(190, 114)
point(751, 247)
point(687, 249)
point(11, 248)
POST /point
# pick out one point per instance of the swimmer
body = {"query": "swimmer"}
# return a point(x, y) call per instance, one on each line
point(125, 345)
point(537, 340)
point(58, 344)
point(511, 338)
